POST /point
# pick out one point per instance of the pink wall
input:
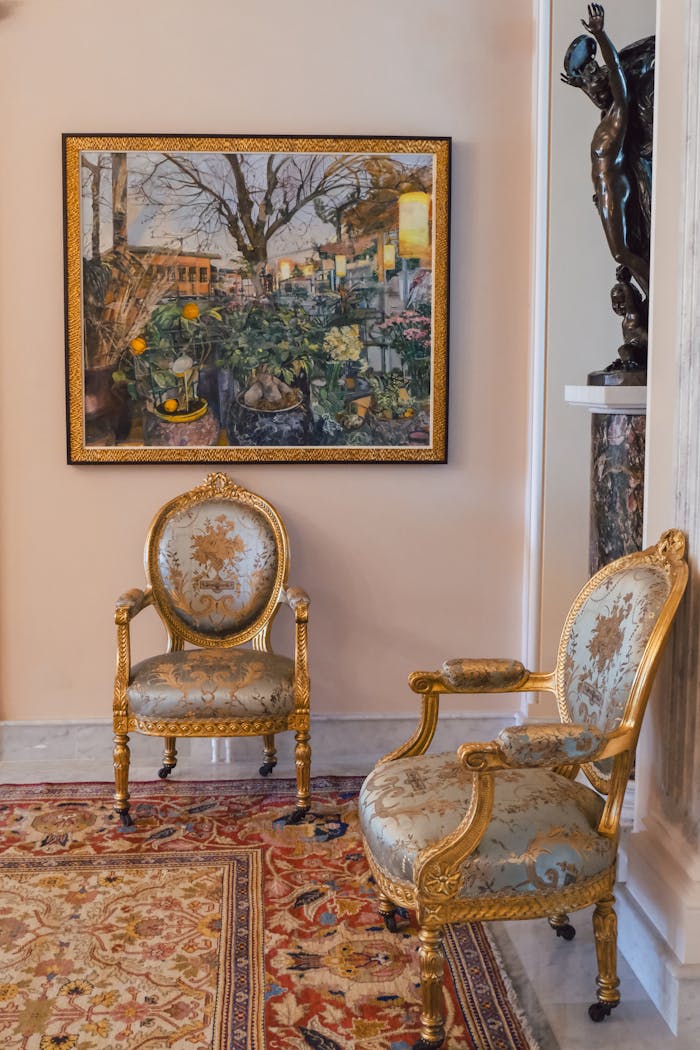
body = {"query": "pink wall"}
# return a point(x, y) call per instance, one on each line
point(405, 564)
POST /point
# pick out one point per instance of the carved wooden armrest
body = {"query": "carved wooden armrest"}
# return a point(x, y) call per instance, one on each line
point(552, 744)
point(131, 603)
point(298, 601)
point(437, 870)
point(464, 676)
point(480, 676)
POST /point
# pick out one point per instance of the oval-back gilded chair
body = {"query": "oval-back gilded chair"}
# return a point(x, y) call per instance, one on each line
point(217, 560)
point(508, 829)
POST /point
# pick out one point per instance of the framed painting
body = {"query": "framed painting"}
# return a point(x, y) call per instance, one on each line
point(250, 299)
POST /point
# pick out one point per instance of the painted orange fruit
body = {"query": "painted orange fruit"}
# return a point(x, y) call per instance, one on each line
point(138, 345)
point(171, 405)
point(190, 311)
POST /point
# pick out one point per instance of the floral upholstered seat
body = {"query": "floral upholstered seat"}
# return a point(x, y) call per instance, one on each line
point(217, 560)
point(507, 829)
point(543, 831)
point(212, 683)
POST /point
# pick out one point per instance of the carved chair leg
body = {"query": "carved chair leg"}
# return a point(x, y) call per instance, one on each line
point(121, 778)
point(169, 757)
point(302, 759)
point(270, 753)
point(387, 910)
point(561, 926)
point(432, 968)
point(605, 930)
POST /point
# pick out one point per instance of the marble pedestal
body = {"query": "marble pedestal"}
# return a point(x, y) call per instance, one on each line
point(618, 426)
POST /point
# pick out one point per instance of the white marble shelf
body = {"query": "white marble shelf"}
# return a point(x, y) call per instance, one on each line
point(630, 400)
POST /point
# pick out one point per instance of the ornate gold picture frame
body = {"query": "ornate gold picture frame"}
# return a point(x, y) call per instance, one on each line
point(256, 299)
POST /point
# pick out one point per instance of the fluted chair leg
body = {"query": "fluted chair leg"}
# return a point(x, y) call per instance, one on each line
point(122, 757)
point(270, 754)
point(302, 759)
point(169, 757)
point(561, 926)
point(432, 972)
point(605, 930)
point(387, 910)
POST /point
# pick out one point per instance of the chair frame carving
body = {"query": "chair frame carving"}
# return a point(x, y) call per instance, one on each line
point(433, 893)
point(216, 486)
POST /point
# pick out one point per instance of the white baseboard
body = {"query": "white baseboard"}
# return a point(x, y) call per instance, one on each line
point(674, 989)
point(340, 743)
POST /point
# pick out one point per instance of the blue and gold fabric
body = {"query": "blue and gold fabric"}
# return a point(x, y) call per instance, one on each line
point(218, 564)
point(542, 834)
point(202, 684)
point(606, 642)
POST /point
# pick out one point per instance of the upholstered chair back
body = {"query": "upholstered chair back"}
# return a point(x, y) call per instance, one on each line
point(216, 559)
point(604, 641)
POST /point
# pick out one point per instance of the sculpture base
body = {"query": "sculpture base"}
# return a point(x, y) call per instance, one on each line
point(618, 377)
point(617, 472)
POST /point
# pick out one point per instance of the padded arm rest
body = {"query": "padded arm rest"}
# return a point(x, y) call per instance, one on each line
point(550, 745)
point(483, 676)
point(133, 601)
point(296, 598)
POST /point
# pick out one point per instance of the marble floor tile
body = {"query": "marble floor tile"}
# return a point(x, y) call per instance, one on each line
point(555, 981)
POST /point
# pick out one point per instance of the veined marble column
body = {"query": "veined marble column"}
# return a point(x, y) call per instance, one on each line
point(617, 468)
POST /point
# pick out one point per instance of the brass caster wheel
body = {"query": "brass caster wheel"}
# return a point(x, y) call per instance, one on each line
point(567, 932)
point(164, 772)
point(266, 768)
point(390, 922)
point(599, 1011)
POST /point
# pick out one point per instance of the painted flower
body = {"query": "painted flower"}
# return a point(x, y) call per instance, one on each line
point(182, 366)
point(343, 344)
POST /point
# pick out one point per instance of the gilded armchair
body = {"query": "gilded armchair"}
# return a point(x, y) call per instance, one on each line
point(508, 829)
point(217, 560)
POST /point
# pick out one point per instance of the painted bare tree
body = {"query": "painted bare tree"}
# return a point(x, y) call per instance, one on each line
point(253, 200)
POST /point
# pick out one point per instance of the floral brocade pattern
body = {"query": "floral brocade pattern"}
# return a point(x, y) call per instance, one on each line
point(542, 834)
point(550, 745)
point(201, 684)
point(218, 563)
point(606, 642)
point(170, 945)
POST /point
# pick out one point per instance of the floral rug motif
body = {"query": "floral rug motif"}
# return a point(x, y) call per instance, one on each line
point(215, 925)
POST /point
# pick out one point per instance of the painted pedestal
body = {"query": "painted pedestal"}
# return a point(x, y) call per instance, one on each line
point(618, 422)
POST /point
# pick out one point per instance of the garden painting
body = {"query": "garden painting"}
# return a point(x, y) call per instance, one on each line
point(256, 299)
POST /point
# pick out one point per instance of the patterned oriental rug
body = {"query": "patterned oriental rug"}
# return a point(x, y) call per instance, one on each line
point(215, 925)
